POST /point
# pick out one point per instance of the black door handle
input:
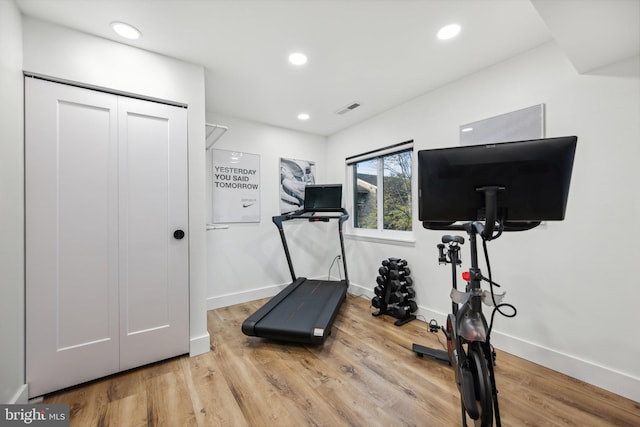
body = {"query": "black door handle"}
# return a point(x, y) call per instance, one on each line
point(178, 234)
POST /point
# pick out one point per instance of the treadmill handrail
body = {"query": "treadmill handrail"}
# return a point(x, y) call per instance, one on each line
point(299, 214)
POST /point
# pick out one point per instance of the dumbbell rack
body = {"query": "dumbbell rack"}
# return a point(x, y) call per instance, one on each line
point(394, 291)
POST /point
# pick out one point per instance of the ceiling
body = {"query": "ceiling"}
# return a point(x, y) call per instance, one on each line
point(377, 53)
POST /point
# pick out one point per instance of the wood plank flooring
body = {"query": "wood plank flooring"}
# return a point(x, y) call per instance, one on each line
point(365, 374)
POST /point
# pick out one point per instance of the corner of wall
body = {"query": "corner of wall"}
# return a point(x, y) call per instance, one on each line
point(199, 345)
point(12, 378)
point(21, 396)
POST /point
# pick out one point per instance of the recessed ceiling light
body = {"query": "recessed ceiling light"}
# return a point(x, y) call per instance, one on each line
point(303, 116)
point(126, 30)
point(298, 58)
point(466, 129)
point(449, 31)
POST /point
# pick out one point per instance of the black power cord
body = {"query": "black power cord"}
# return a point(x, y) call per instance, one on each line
point(337, 257)
point(496, 307)
point(434, 328)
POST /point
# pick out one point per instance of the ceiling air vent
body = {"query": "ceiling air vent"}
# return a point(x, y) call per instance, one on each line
point(350, 107)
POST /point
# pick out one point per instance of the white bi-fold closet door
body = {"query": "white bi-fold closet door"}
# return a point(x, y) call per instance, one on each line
point(106, 215)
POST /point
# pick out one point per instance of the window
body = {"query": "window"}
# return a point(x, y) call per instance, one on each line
point(382, 189)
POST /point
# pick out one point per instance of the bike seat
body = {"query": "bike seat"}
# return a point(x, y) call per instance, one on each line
point(456, 239)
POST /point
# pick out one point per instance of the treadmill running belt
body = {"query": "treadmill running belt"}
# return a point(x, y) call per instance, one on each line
point(302, 312)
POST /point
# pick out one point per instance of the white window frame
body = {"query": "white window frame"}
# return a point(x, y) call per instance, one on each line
point(400, 237)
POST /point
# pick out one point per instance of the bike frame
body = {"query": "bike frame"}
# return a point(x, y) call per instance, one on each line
point(467, 329)
point(468, 325)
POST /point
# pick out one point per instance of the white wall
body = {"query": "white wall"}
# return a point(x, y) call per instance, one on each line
point(12, 387)
point(246, 261)
point(573, 282)
point(77, 57)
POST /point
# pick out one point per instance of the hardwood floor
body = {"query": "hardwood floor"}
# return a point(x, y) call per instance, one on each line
point(365, 374)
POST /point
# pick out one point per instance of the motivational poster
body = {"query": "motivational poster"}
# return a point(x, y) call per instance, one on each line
point(236, 187)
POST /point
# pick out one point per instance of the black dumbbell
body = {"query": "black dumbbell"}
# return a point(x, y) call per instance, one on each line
point(402, 298)
point(398, 275)
point(406, 270)
point(379, 290)
point(381, 281)
point(383, 271)
point(411, 293)
point(375, 301)
point(405, 310)
point(406, 283)
point(394, 310)
point(404, 287)
point(394, 285)
point(396, 297)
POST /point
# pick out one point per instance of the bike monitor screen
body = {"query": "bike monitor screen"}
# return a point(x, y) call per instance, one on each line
point(532, 178)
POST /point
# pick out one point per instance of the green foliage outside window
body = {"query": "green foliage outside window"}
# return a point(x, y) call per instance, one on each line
point(396, 211)
point(395, 183)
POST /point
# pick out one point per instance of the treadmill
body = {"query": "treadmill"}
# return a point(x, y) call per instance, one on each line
point(304, 311)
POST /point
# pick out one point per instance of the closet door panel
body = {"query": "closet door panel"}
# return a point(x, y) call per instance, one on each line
point(154, 303)
point(71, 235)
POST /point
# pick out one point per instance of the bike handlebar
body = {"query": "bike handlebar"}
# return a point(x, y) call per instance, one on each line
point(455, 226)
point(485, 228)
point(456, 239)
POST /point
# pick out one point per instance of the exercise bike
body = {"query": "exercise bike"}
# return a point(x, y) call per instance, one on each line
point(510, 186)
point(469, 349)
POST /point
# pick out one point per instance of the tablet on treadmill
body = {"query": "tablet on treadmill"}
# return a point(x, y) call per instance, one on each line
point(323, 198)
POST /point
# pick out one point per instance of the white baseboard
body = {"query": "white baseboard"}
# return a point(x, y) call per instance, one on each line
point(199, 345)
point(358, 290)
point(244, 296)
point(591, 373)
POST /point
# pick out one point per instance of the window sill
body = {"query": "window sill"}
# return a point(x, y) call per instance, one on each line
point(392, 240)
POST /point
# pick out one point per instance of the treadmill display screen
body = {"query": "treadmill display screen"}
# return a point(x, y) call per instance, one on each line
point(323, 197)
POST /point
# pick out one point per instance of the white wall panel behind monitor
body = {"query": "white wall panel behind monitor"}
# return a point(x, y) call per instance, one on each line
point(519, 125)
